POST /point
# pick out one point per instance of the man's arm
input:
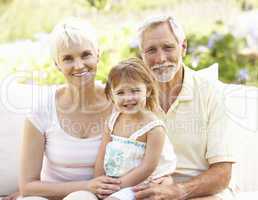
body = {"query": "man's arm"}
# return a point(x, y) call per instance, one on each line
point(210, 182)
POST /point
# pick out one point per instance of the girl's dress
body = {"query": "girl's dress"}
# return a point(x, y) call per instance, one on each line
point(124, 154)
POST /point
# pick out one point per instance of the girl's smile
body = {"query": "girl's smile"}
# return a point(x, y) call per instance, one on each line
point(129, 96)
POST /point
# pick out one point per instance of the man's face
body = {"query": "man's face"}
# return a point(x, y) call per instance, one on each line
point(161, 52)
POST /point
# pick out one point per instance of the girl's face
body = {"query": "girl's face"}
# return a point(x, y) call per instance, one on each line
point(78, 62)
point(130, 96)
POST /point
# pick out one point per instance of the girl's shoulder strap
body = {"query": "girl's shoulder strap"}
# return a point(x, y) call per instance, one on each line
point(112, 120)
point(147, 128)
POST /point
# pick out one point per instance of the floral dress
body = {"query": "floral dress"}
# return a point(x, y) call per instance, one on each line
point(124, 154)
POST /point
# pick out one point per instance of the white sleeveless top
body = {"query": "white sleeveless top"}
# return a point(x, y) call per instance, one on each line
point(66, 158)
point(124, 154)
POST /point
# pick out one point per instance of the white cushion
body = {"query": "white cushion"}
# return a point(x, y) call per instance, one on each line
point(210, 73)
point(16, 100)
point(241, 102)
point(242, 110)
point(247, 196)
point(10, 139)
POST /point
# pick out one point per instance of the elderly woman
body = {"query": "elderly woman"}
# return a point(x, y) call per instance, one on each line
point(66, 133)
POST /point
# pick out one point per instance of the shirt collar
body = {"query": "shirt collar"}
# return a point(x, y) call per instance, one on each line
point(186, 93)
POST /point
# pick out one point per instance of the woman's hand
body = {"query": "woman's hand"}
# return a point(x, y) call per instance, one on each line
point(12, 196)
point(104, 186)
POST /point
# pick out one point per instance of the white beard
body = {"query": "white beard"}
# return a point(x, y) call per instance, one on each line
point(168, 74)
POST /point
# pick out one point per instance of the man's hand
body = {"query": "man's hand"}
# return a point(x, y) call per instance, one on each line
point(166, 180)
point(155, 191)
point(12, 196)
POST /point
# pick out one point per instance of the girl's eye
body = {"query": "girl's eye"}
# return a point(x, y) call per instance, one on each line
point(136, 90)
point(120, 93)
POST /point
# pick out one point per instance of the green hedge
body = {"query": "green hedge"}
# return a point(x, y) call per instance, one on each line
point(202, 52)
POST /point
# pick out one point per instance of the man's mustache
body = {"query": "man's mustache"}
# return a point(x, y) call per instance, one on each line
point(162, 66)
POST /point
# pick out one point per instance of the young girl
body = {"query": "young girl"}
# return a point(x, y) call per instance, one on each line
point(134, 148)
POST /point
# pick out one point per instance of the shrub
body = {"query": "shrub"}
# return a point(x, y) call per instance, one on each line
point(221, 48)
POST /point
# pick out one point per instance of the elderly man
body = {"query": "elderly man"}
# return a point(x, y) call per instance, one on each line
point(193, 111)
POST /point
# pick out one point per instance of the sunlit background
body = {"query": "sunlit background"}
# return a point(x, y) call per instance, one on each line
point(218, 31)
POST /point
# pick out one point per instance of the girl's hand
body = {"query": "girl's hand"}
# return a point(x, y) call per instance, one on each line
point(12, 196)
point(104, 186)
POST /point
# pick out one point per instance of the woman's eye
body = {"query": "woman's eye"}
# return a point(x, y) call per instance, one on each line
point(67, 58)
point(86, 54)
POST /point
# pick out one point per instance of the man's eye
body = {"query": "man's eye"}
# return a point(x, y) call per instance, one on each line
point(151, 50)
point(169, 47)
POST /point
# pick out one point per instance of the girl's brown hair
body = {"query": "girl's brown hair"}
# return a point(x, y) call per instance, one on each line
point(133, 69)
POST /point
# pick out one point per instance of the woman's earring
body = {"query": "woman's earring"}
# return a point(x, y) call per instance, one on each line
point(57, 66)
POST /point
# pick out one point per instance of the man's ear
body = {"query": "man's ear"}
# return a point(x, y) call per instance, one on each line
point(141, 54)
point(184, 47)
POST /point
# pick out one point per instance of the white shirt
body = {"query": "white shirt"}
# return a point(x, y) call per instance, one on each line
point(66, 158)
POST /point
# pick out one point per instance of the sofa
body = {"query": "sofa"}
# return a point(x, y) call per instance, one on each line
point(17, 100)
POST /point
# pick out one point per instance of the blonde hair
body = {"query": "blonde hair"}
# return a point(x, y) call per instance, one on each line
point(71, 30)
point(133, 69)
point(176, 28)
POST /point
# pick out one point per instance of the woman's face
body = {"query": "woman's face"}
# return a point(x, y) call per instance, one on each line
point(78, 62)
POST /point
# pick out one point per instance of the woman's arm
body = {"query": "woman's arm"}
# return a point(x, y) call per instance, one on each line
point(99, 165)
point(31, 164)
point(155, 142)
point(32, 151)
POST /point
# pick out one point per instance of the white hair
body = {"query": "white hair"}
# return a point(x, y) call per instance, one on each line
point(176, 28)
point(71, 30)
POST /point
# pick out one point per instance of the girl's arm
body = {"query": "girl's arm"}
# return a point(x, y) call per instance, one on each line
point(155, 142)
point(99, 165)
point(33, 145)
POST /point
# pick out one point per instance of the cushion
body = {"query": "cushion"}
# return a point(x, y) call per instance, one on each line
point(11, 119)
point(242, 111)
point(210, 73)
point(16, 100)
